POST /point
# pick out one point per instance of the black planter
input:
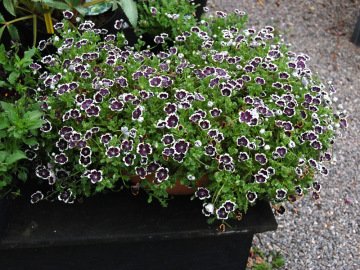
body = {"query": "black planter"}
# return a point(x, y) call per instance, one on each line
point(4, 213)
point(119, 231)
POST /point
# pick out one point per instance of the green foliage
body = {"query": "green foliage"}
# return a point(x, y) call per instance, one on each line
point(18, 76)
point(35, 10)
point(19, 123)
point(161, 21)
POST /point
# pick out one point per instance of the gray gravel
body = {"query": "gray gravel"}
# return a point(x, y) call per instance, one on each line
point(323, 234)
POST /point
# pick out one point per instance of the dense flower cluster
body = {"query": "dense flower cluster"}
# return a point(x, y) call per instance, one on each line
point(224, 101)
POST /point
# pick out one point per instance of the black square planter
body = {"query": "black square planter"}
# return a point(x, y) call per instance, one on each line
point(119, 231)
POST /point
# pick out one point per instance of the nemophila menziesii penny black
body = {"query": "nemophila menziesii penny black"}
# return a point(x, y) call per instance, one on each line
point(215, 98)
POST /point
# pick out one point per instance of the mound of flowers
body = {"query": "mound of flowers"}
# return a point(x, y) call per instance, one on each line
point(225, 101)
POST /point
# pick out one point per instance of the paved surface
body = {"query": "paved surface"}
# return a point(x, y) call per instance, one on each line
point(324, 234)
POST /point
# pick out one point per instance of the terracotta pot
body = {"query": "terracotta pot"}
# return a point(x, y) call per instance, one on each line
point(178, 188)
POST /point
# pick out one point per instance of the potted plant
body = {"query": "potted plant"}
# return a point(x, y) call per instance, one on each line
point(258, 125)
point(20, 120)
point(217, 101)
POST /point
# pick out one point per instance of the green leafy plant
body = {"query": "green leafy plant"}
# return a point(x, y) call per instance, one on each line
point(156, 17)
point(42, 10)
point(15, 75)
point(225, 102)
point(19, 124)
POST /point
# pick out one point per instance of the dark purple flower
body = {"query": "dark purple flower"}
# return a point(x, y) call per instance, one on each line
point(326, 156)
point(159, 39)
point(195, 118)
point(202, 193)
point(280, 194)
point(119, 24)
point(172, 121)
point(242, 141)
point(93, 110)
point(313, 163)
point(75, 113)
point(281, 151)
point(129, 159)
point(316, 186)
point(61, 158)
point(95, 176)
point(116, 105)
point(243, 156)
point(137, 113)
point(109, 37)
point(81, 144)
point(36, 197)
point(42, 172)
point(144, 149)
point(152, 167)
point(141, 172)
point(46, 127)
point(168, 139)
point(270, 170)
point(213, 133)
point(277, 85)
point(30, 154)
point(153, 11)
point(246, 117)
point(181, 94)
point(161, 174)
point(62, 145)
point(168, 152)
point(221, 213)
point(220, 137)
point(213, 82)
point(155, 81)
point(260, 80)
point(210, 150)
point(113, 151)
point(126, 145)
point(105, 138)
point(316, 144)
point(85, 151)
point(251, 196)
point(226, 92)
point(298, 191)
point(68, 14)
point(204, 124)
point(163, 95)
point(280, 210)
point(260, 178)
point(323, 170)
point(75, 136)
point(181, 146)
point(225, 158)
point(161, 124)
point(121, 81)
point(261, 158)
point(315, 89)
point(289, 112)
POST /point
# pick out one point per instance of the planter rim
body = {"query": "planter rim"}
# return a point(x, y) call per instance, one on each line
point(120, 217)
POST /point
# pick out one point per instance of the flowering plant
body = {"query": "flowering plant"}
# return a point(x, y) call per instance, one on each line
point(225, 101)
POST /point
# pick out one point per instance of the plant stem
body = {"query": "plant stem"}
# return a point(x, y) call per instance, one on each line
point(34, 30)
point(18, 19)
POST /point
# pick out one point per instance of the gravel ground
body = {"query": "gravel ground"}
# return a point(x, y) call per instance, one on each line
point(323, 234)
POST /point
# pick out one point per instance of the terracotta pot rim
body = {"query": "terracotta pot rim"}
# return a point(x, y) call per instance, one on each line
point(177, 188)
